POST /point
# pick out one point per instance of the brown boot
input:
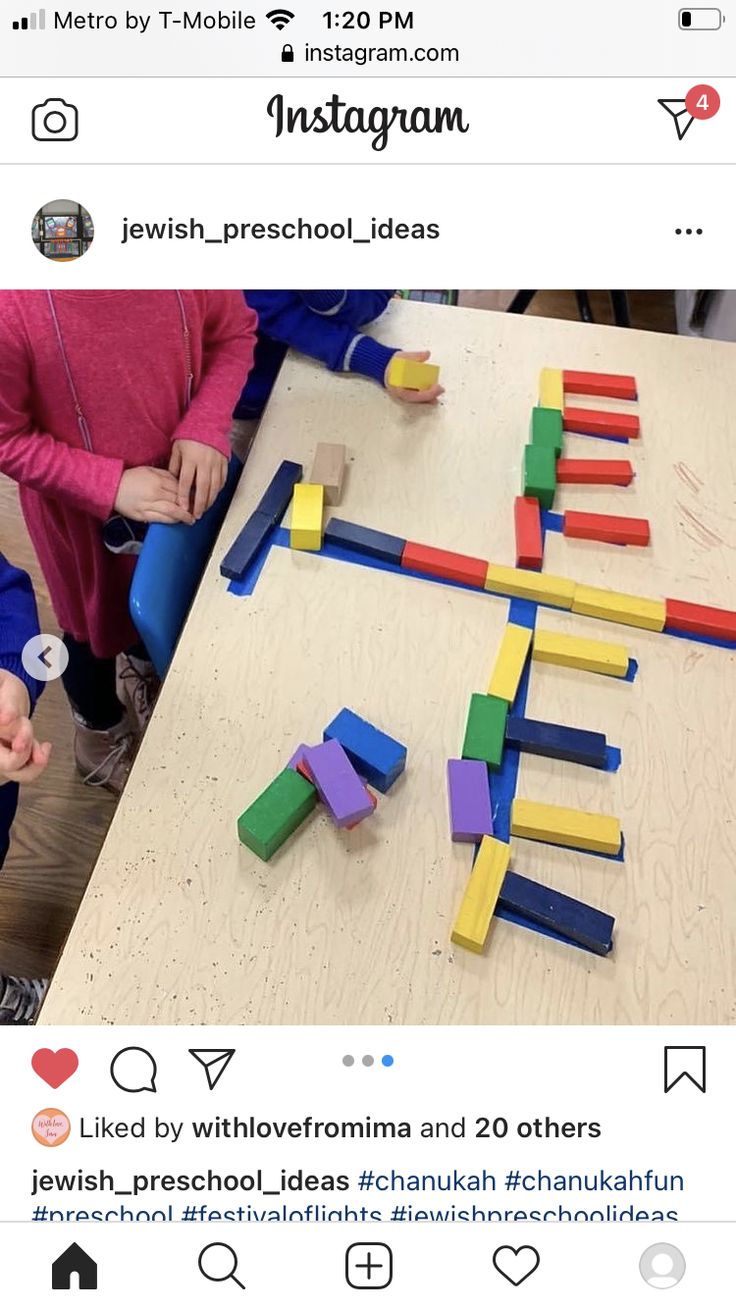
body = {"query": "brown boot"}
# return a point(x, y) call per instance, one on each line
point(138, 685)
point(104, 758)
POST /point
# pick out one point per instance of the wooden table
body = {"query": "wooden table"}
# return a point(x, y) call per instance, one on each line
point(181, 924)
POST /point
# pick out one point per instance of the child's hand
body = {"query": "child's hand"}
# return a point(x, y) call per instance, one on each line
point(428, 397)
point(22, 757)
point(201, 471)
point(151, 495)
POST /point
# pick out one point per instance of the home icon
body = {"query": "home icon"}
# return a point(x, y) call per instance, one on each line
point(73, 1261)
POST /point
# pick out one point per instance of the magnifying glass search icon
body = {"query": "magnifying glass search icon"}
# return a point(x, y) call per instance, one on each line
point(218, 1262)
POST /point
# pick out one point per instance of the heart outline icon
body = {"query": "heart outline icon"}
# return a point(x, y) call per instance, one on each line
point(54, 1066)
point(515, 1252)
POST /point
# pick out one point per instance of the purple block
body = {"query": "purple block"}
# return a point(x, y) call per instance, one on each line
point(297, 756)
point(470, 799)
point(338, 783)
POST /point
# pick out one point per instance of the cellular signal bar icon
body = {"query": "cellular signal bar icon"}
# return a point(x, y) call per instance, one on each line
point(35, 22)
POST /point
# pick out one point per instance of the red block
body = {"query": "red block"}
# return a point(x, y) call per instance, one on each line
point(443, 563)
point(595, 472)
point(593, 422)
point(614, 386)
point(528, 522)
point(700, 620)
point(606, 527)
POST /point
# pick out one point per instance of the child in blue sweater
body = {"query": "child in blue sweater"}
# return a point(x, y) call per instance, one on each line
point(22, 757)
point(325, 325)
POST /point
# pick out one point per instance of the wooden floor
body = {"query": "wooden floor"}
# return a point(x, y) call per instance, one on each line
point(61, 824)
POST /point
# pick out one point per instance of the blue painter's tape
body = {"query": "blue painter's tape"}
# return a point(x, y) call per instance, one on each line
point(576, 849)
point(551, 522)
point(613, 759)
point(720, 641)
point(598, 436)
point(631, 671)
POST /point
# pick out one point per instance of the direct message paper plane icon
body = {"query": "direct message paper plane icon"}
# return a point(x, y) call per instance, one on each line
point(682, 116)
point(214, 1063)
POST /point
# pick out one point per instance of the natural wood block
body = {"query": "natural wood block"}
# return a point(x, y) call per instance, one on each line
point(481, 895)
point(616, 607)
point(328, 470)
point(556, 825)
point(579, 652)
point(544, 588)
point(510, 662)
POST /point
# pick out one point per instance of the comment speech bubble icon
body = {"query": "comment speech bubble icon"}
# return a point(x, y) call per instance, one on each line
point(134, 1069)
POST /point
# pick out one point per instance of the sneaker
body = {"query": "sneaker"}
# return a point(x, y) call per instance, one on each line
point(104, 758)
point(138, 685)
point(20, 999)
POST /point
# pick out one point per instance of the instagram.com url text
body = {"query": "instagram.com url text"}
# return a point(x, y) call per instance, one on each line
point(297, 229)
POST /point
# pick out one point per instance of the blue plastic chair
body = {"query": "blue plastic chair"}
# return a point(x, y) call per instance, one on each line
point(168, 572)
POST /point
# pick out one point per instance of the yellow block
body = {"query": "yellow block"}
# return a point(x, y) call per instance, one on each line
point(616, 607)
point(551, 389)
point(481, 894)
point(559, 826)
point(578, 652)
point(510, 662)
point(411, 374)
point(542, 587)
point(306, 517)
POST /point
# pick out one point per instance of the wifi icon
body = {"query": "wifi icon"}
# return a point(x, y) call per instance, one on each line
point(280, 18)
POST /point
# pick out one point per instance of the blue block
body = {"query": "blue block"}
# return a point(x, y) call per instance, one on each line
point(377, 757)
point(365, 541)
point(577, 922)
point(275, 500)
point(246, 546)
point(557, 742)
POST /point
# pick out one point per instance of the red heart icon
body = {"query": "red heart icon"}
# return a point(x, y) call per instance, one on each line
point(55, 1066)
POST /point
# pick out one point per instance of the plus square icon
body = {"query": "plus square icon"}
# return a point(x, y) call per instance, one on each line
point(369, 1266)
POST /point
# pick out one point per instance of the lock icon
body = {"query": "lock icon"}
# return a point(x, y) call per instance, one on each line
point(287, 55)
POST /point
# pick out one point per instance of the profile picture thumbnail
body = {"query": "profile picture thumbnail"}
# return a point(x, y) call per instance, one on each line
point(62, 230)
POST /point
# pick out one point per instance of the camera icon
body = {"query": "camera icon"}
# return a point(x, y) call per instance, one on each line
point(55, 120)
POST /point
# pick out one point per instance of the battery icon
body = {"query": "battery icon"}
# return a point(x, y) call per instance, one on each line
point(700, 20)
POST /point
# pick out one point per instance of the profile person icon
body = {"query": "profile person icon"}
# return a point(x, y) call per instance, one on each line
point(662, 1266)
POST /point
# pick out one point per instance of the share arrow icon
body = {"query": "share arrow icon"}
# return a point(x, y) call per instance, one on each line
point(679, 111)
point(214, 1063)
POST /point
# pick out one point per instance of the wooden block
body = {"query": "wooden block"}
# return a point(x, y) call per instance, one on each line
point(553, 741)
point(337, 783)
point(578, 652)
point(546, 429)
point(528, 525)
point(485, 729)
point(470, 800)
point(276, 813)
point(539, 474)
point(364, 540)
point(593, 422)
point(605, 527)
point(275, 500)
point(376, 756)
point(481, 895)
point(616, 607)
point(510, 662)
point(551, 390)
point(614, 386)
point(559, 913)
point(245, 547)
point(298, 762)
point(328, 470)
point(411, 375)
point(594, 472)
point(306, 517)
point(444, 563)
point(600, 833)
point(700, 620)
point(298, 756)
point(543, 588)
point(374, 805)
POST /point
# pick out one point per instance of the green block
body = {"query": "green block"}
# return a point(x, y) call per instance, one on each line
point(486, 729)
point(278, 811)
point(540, 476)
point(546, 429)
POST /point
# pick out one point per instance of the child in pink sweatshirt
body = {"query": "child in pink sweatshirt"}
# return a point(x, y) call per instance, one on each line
point(113, 402)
